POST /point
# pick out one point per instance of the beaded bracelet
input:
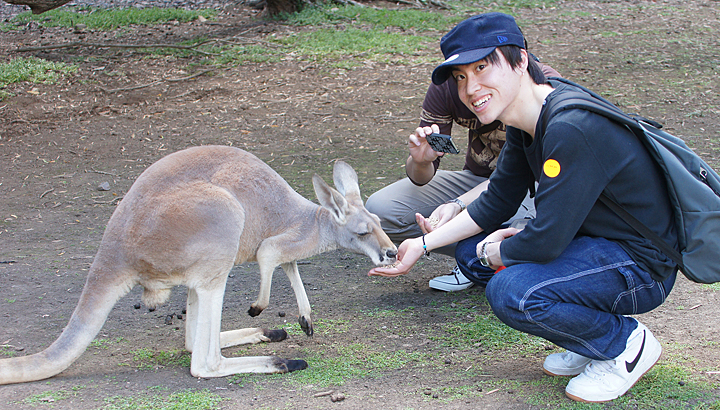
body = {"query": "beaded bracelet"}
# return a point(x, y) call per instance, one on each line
point(427, 253)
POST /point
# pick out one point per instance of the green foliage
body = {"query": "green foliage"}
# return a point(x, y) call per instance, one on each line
point(110, 19)
point(355, 361)
point(34, 70)
point(489, 332)
point(7, 350)
point(183, 400)
point(378, 18)
point(148, 359)
point(711, 286)
point(353, 43)
point(249, 53)
point(105, 343)
point(52, 396)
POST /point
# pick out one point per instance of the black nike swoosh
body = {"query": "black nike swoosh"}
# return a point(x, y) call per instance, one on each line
point(630, 366)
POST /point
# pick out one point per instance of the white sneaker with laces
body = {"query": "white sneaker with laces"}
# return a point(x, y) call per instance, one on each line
point(605, 380)
point(565, 364)
point(451, 283)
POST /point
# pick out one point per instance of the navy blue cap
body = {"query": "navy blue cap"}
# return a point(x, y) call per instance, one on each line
point(474, 39)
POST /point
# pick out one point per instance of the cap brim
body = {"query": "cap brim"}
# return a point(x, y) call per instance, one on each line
point(443, 71)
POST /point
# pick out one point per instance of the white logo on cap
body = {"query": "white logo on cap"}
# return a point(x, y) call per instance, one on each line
point(452, 57)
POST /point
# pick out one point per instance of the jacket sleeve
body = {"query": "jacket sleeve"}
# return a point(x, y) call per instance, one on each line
point(508, 186)
point(573, 167)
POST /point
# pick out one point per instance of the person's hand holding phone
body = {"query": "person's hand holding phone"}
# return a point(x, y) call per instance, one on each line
point(420, 150)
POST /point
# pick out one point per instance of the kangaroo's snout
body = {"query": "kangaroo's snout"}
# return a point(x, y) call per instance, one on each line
point(389, 257)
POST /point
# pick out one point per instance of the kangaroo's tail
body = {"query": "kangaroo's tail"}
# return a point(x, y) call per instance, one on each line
point(96, 301)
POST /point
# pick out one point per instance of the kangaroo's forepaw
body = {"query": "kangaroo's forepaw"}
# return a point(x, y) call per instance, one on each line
point(254, 311)
point(275, 335)
point(306, 325)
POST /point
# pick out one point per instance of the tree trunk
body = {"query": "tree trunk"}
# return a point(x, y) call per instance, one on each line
point(275, 7)
point(39, 6)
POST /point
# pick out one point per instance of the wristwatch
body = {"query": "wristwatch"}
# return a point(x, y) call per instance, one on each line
point(459, 202)
point(484, 259)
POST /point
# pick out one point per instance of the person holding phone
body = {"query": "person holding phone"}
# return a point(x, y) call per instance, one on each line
point(577, 272)
point(436, 194)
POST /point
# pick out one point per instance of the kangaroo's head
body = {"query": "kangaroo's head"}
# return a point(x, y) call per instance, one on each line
point(358, 230)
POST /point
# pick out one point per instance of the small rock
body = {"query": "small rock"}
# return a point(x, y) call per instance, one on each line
point(137, 306)
point(435, 396)
point(337, 397)
point(168, 319)
point(179, 317)
point(105, 186)
point(281, 313)
point(681, 383)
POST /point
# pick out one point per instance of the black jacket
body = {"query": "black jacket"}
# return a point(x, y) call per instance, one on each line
point(580, 155)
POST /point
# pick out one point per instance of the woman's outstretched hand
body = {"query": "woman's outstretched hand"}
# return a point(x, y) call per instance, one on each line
point(408, 254)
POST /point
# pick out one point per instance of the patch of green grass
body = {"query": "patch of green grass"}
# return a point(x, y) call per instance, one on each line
point(183, 400)
point(468, 8)
point(378, 18)
point(247, 53)
point(52, 396)
point(320, 327)
point(340, 363)
point(711, 286)
point(148, 359)
point(110, 19)
point(488, 332)
point(350, 47)
point(104, 343)
point(7, 350)
point(34, 70)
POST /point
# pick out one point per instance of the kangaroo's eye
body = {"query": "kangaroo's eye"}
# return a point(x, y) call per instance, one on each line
point(365, 233)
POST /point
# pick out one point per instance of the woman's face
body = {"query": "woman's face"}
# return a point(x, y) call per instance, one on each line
point(488, 89)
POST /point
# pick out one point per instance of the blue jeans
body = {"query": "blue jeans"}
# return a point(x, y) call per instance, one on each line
point(578, 301)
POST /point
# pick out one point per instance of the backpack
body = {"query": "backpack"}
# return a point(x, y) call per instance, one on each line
point(693, 186)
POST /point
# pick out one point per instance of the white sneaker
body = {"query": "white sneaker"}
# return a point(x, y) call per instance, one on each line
point(605, 380)
point(565, 364)
point(451, 283)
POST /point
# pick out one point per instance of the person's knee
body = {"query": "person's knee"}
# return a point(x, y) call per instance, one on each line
point(504, 297)
point(378, 204)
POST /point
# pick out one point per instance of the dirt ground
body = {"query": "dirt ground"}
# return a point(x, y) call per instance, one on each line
point(59, 143)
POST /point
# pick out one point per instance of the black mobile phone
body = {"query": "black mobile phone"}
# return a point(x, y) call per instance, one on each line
point(442, 143)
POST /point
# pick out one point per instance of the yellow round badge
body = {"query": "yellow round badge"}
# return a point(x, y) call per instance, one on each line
point(551, 168)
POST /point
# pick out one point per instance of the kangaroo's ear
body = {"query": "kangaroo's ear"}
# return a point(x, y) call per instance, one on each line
point(346, 181)
point(330, 199)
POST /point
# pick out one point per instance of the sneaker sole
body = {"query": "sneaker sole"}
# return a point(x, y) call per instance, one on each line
point(449, 288)
point(549, 373)
point(576, 398)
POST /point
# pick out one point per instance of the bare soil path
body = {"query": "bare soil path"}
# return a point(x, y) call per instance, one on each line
point(382, 343)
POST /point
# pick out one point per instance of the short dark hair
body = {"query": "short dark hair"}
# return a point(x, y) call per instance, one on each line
point(514, 57)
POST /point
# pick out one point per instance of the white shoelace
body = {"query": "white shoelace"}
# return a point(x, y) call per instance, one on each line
point(598, 369)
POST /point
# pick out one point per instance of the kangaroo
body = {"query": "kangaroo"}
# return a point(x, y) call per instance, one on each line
point(187, 220)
